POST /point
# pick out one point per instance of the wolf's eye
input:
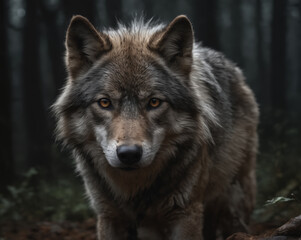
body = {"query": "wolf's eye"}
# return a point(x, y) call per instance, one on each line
point(154, 103)
point(104, 103)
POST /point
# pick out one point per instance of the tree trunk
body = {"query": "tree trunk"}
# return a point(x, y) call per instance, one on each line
point(278, 55)
point(114, 10)
point(204, 22)
point(236, 36)
point(263, 80)
point(299, 48)
point(55, 46)
point(86, 8)
point(7, 166)
point(35, 111)
point(148, 8)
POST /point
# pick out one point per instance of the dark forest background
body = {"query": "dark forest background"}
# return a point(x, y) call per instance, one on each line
point(263, 37)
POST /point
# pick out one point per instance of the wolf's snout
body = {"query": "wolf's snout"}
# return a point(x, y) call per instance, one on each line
point(129, 154)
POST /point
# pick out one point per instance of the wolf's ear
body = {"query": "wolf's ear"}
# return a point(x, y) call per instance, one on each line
point(84, 45)
point(175, 44)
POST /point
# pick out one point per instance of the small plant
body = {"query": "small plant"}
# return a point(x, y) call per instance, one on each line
point(33, 198)
point(20, 198)
point(278, 200)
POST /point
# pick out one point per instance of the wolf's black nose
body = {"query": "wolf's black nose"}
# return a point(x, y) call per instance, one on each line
point(129, 154)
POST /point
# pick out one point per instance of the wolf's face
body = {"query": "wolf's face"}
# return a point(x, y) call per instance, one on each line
point(128, 91)
point(130, 112)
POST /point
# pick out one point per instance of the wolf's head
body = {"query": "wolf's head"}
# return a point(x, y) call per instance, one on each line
point(128, 100)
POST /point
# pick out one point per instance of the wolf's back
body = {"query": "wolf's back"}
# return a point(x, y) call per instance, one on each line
point(230, 108)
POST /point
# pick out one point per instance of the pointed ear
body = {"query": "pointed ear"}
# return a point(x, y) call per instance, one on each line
point(84, 45)
point(175, 44)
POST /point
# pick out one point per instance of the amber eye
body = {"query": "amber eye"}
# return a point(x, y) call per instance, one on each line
point(104, 103)
point(154, 103)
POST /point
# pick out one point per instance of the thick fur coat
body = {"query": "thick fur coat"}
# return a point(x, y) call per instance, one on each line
point(163, 131)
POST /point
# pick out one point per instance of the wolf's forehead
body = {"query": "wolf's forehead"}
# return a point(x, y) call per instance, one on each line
point(127, 70)
point(128, 83)
point(131, 52)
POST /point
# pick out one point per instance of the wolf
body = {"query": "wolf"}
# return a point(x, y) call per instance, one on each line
point(162, 130)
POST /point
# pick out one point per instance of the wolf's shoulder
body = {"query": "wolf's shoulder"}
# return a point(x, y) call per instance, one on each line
point(220, 70)
point(213, 57)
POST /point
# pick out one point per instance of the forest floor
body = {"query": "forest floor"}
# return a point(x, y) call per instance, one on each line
point(49, 230)
point(86, 231)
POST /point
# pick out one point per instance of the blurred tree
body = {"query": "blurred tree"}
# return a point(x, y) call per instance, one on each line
point(237, 33)
point(50, 15)
point(205, 22)
point(299, 58)
point(278, 55)
point(6, 169)
point(264, 90)
point(114, 10)
point(38, 144)
point(86, 8)
point(148, 8)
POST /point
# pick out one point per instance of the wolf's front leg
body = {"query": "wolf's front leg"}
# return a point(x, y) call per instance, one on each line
point(109, 228)
point(189, 224)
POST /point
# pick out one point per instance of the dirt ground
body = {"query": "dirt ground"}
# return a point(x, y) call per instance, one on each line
point(49, 231)
point(86, 231)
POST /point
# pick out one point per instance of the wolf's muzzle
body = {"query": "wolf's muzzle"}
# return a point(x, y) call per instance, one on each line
point(129, 154)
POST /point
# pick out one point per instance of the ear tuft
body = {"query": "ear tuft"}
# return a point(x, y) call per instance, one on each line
point(174, 43)
point(84, 45)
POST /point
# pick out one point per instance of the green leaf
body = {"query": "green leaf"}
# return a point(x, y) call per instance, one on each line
point(31, 172)
point(278, 200)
